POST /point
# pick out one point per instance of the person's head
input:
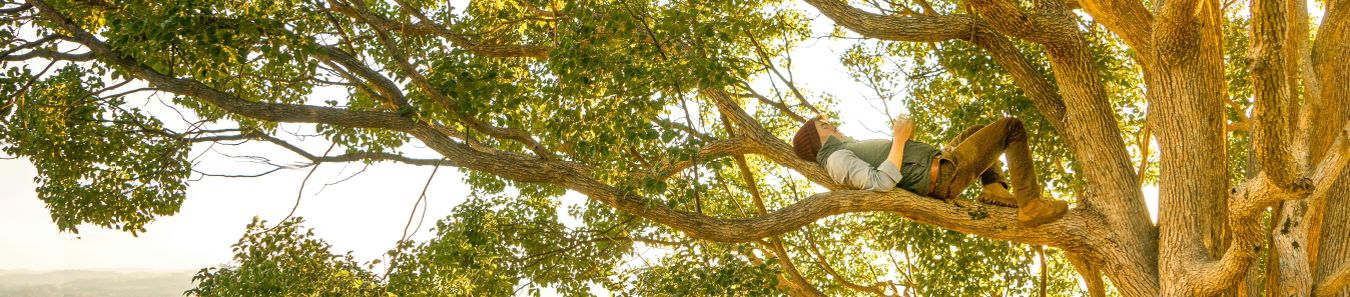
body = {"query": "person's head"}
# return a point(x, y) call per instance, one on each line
point(806, 143)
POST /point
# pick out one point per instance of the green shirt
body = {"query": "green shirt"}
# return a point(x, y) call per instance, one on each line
point(873, 170)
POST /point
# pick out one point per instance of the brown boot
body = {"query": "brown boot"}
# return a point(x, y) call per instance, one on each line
point(997, 194)
point(1036, 211)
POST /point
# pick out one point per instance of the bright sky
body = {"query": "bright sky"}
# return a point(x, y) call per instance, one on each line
point(365, 214)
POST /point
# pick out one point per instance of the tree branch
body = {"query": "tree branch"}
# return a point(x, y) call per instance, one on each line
point(769, 145)
point(1127, 18)
point(779, 105)
point(1334, 284)
point(1287, 262)
point(682, 127)
point(992, 223)
point(31, 44)
point(1083, 115)
point(348, 157)
point(1042, 28)
point(1274, 66)
point(48, 54)
point(1092, 275)
point(1173, 31)
point(1044, 95)
point(1327, 80)
point(20, 8)
point(804, 286)
point(388, 90)
point(401, 60)
point(259, 110)
point(768, 63)
point(775, 243)
point(710, 150)
point(875, 289)
point(1271, 135)
point(924, 28)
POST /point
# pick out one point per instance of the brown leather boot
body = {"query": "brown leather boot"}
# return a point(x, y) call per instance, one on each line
point(997, 194)
point(1036, 211)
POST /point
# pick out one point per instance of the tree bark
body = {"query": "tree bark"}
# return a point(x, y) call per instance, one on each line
point(1274, 60)
point(1186, 101)
point(1329, 222)
point(1092, 276)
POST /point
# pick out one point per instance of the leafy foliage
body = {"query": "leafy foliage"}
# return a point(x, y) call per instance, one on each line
point(704, 274)
point(492, 245)
point(98, 162)
point(286, 260)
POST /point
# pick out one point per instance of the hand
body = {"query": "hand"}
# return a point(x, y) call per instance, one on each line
point(902, 128)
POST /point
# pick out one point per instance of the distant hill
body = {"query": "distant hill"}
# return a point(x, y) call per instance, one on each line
point(94, 283)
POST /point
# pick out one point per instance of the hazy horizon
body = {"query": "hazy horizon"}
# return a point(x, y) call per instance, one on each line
point(95, 282)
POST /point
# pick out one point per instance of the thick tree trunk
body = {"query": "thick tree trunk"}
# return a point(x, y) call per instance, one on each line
point(1186, 106)
point(1275, 53)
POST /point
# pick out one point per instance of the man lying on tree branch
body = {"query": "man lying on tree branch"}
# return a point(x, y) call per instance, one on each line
point(881, 165)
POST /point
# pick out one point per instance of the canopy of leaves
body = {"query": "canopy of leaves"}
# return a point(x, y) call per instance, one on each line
point(609, 84)
point(99, 161)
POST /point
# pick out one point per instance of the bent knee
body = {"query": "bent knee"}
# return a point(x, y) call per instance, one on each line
point(1014, 128)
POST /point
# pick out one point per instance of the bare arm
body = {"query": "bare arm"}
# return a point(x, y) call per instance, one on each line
point(901, 129)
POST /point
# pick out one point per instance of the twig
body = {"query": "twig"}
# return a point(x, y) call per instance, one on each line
point(31, 44)
point(824, 263)
point(398, 250)
point(791, 86)
point(698, 199)
point(301, 192)
point(19, 8)
point(1144, 140)
point(204, 174)
point(358, 172)
point(30, 82)
point(783, 107)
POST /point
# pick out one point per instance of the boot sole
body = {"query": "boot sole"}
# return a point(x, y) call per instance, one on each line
point(1038, 222)
point(991, 201)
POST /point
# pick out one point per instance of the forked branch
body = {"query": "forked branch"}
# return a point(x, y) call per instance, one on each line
point(1127, 18)
point(1249, 202)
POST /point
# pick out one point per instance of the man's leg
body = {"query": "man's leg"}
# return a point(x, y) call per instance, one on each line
point(993, 174)
point(977, 152)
